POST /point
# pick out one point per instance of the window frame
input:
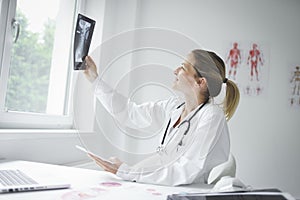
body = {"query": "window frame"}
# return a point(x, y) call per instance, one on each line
point(27, 120)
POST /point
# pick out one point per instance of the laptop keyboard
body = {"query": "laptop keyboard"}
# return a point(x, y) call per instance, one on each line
point(15, 177)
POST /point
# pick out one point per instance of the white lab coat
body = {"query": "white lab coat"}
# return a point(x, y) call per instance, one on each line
point(205, 145)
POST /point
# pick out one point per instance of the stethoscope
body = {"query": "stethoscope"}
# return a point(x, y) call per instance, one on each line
point(161, 147)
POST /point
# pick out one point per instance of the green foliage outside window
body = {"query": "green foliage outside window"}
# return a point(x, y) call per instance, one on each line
point(30, 68)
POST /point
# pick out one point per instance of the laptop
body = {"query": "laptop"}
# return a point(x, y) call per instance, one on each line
point(23, 179)
point(259, 194)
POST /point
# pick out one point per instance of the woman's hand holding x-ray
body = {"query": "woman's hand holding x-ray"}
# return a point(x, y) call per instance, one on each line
point(91, 69)
point(111, 166)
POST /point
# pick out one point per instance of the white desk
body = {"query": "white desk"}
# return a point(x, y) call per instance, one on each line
point(92, 184)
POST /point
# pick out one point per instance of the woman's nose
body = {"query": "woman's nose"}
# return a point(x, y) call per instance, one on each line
point(176, 70)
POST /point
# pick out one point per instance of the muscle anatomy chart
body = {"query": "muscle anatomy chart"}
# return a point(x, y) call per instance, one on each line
point(248, 65)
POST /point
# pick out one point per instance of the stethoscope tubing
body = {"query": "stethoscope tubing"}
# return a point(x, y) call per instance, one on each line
point(162, 146)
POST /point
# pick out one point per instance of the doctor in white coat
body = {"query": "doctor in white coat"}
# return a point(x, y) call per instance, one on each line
point(195, 137)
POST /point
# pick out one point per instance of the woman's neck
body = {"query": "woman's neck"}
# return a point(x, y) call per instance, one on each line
point(191, 104)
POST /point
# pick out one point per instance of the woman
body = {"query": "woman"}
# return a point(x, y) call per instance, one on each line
point(195, 138)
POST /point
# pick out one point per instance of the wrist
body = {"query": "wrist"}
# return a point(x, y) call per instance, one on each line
point(94, 77)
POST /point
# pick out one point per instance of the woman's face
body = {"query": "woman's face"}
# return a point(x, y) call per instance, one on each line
point(185, 75)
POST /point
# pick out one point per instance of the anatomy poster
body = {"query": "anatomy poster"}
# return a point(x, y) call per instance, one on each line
point(294, 83)
point(247, 63)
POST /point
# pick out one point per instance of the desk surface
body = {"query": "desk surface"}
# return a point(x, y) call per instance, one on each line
point(93, 184)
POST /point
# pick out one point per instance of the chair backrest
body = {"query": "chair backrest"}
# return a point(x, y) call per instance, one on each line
point(227, 168)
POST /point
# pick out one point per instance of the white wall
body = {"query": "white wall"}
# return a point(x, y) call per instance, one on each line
point(264, 131)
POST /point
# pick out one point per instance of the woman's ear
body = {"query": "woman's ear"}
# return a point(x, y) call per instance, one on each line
point(200, 81)
point(197, 82)
point(203, 83)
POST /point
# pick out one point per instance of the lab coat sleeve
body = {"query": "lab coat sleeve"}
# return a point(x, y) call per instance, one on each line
point(182, 171)
point(193, 166)
point(130, 114)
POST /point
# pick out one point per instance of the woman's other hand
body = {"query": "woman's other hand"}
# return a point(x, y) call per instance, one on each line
point(111, 166)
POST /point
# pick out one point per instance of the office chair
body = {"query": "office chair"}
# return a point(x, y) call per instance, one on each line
point(227, 168)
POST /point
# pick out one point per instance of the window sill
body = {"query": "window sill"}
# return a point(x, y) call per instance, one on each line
point(17, 134)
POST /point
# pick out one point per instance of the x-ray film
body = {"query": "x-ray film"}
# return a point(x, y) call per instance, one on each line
point(82, 40)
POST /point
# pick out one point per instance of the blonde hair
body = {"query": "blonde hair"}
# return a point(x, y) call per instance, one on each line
point(232, 96)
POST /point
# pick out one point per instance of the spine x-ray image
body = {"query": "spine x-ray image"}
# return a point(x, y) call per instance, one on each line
point(82, 40)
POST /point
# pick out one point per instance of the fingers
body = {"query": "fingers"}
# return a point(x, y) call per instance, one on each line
point(87, 64)
point(91, 69)
point(107, 166)
point(115, 160)
point(91, 65)
point(90, 61)
point(99, 161)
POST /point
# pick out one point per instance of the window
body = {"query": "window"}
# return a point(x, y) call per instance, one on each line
point(35, 63)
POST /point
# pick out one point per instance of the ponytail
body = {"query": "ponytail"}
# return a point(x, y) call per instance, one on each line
point(231, 100)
